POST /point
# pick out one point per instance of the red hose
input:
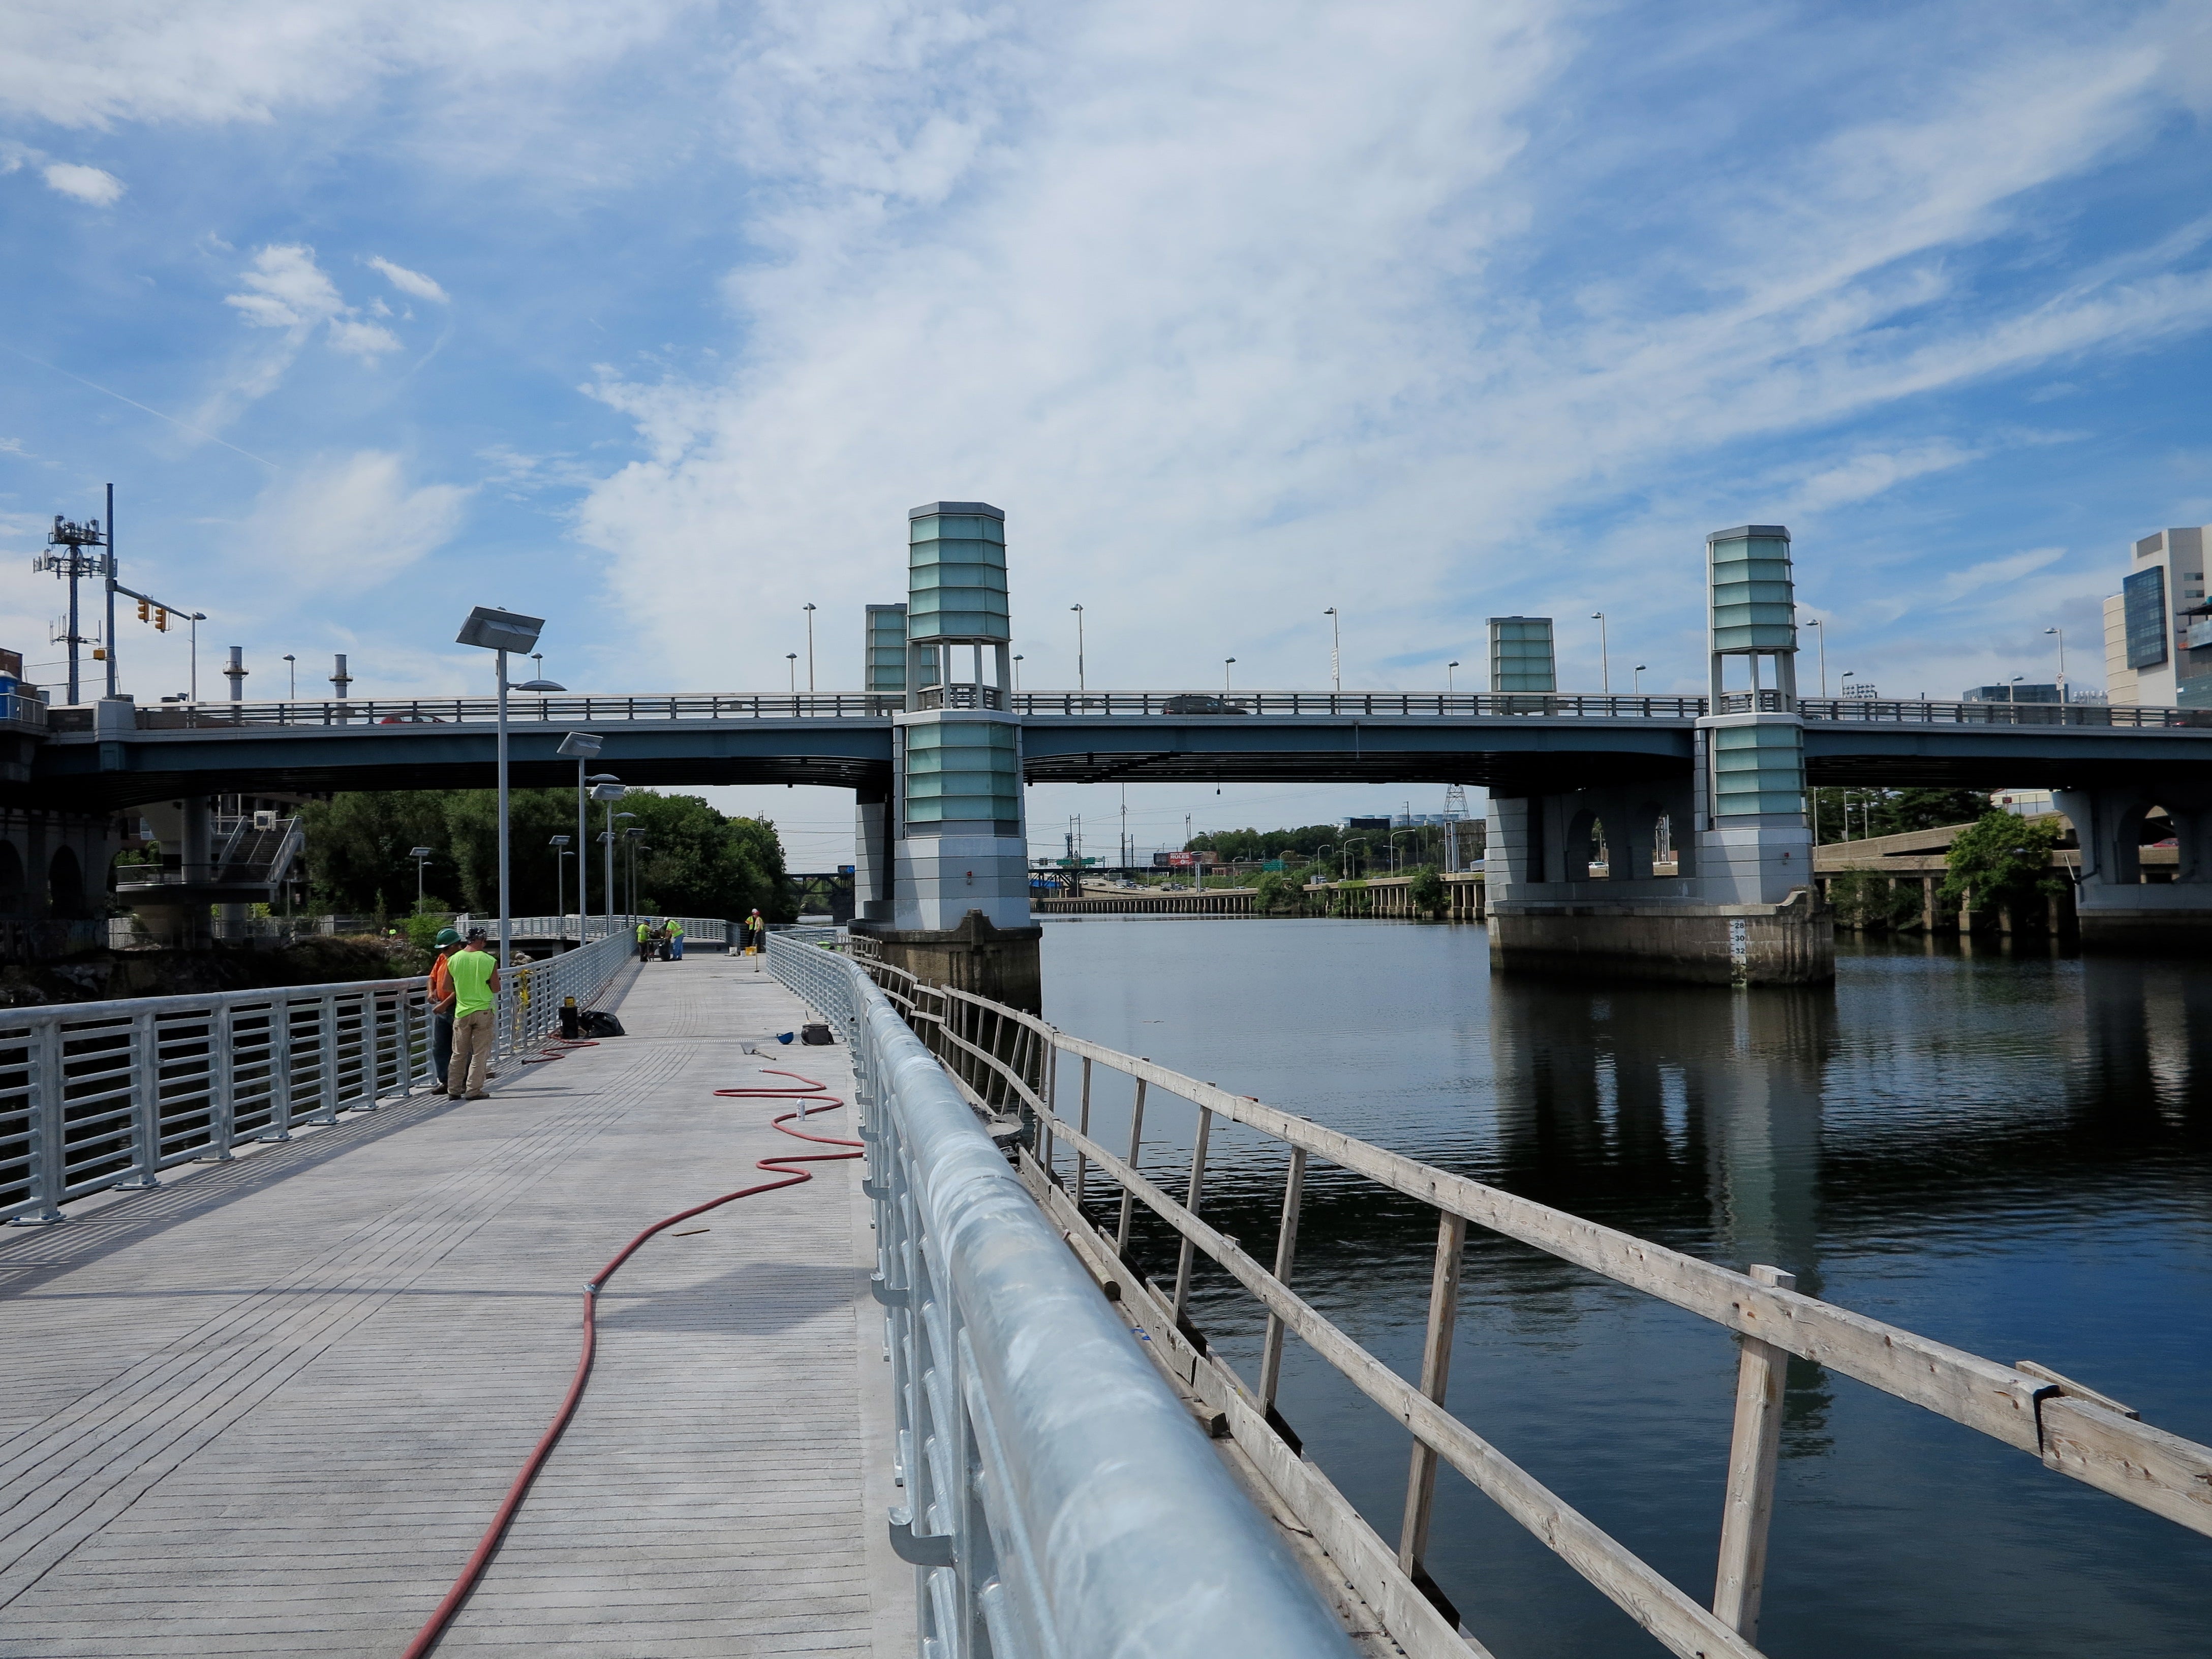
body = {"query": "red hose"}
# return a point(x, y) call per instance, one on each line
point(488, 1546)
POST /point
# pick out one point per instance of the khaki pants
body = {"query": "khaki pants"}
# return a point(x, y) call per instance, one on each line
point(471, 1055)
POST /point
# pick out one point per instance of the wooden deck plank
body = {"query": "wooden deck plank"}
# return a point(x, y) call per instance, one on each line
point(269, 1408)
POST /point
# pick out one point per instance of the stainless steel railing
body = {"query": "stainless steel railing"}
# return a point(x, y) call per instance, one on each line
point(95, 1096)
point(1005, 1060)
point(1059, 1498)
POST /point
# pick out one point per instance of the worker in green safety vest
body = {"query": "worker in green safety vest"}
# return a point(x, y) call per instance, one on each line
point(675, 939)
point(644, 942)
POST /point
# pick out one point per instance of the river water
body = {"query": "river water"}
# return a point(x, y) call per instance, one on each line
point(2006, 1152)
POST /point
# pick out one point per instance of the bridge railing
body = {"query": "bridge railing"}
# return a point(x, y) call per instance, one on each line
point(522, 710)
point(697, 930)
point(1058, 1498)
point(1004, 1059)
point(95, 1096)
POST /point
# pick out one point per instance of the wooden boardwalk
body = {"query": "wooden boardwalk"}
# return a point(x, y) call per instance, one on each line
point(269, 1408)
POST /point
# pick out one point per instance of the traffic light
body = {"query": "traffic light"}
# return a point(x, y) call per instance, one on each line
point(145, 610)
point(160, 620)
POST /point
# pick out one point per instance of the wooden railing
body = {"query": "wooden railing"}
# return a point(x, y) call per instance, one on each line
point(1008, 1062)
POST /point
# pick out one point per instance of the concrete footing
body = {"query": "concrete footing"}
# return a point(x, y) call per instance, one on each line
point(1002, 963)
point(1792, 943)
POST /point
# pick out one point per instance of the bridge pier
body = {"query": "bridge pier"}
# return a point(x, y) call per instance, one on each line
point(2117, 907)
point(1740, 906)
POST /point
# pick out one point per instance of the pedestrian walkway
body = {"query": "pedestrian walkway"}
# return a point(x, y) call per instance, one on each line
point(269, 1408)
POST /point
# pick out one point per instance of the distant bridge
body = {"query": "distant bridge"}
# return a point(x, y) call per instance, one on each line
point(1518, 744)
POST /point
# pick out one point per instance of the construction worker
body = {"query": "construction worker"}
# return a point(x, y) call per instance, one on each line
point(475, 973)
point(676, 939)
point(644, 942)
point(441, 1003)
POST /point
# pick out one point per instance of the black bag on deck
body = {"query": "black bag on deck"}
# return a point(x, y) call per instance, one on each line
point(815, 1035)
point(599, 1023)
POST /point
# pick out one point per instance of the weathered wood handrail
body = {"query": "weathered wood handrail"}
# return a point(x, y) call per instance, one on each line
point(2069, 1428)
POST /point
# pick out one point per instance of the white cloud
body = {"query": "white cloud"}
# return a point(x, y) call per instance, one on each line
point(345, 524)
point(408, 281)
point(286, 289)
point(1216, 279)
point(366, 341)
point(89, 184)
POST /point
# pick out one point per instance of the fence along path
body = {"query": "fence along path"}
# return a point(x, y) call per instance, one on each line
point(1008, 1060)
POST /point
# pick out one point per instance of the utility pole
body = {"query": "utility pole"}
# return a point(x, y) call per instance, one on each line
point(1078, 610)
point(1604, 654)
point(809, 650)
point(1335, 651)
point(73, 565)
point(110, 640)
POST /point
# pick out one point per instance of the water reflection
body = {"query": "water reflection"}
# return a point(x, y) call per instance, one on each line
point(2006, 1150)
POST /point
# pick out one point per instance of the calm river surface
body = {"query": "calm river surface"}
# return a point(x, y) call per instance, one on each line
point(2008, 1154)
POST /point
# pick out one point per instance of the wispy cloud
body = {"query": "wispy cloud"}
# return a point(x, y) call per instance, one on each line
point(346, 524)
point(408, 281)
point(90, 185)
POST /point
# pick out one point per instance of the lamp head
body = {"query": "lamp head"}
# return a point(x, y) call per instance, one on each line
point(494, 629)
point(558, 841)
point(582, 745)
point(538, 685)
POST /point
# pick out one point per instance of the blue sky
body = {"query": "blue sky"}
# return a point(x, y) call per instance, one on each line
point(654, 318)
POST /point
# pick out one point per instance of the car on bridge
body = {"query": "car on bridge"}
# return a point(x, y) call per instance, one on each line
point(1198, 703)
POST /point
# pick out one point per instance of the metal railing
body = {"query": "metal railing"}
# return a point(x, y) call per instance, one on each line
point(100, 1094)
point(697, 930)
point(708, 706)
point(1058, 1497)
point(1005, 1060)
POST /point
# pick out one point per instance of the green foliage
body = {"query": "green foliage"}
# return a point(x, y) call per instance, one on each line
point(694, 861)
point(1864, 898)
point(1245, 846)
point(423, 931)
point(1427, 890)
point(1892, 811)
point(1275, 894)
point(2002, 857)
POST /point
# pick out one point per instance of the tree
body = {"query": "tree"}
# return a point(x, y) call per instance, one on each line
point(1274, 893)
point(1892, 811)
point(2002, 859)
point(1427, 890)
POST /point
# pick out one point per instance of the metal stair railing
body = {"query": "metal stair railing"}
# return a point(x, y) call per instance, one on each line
point(1058, 1498)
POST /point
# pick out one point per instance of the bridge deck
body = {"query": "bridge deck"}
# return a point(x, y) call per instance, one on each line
point(269, 1408)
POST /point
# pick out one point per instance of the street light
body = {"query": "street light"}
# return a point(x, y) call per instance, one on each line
point(582, 747)
point(792, 658)
point(2062, 660)
point(1017, 671)
point(606, 788)
point(1604, 653)
point(809, 649)
point(1816, 622)
point(1336, 650)
point(632, 838)
point(1078, 610)
point(1636, 679)
point(560, 846)
point(292, 666)
point(422, 855)
point(1227, 663)
point(502, 631)
point(1448, 687)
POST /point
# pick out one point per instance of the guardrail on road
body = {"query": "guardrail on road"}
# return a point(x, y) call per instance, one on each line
point(100, 1094)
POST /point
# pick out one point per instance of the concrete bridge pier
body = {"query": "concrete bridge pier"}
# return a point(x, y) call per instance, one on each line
point(2117, 908)
point(956, 911)
point(1739, 906)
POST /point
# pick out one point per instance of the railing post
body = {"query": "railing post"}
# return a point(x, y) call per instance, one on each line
point(1082, 1124)
point(223, 1086)
point(48, 1148)
point(326, 1035)
point(1287, 1252)
point(406, 1012)
point(145, 1107)
point(280, 1066)
point(1129, 1198)
point(1048, 1091)
point(372, 1068)
point(1183, 1258)
point(1753, 1451)
point(1436, 1372)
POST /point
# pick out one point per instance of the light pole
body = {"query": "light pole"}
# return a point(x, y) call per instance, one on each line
point(1227, 663)
point(422, 855)
point(809, 609)
point(292, 667)
point(610, 792)
point(582, 747)
point(791, 658)
point(1450, 688)
point(1336, 650)
point(1604, 654)
point(2062, 660)
point(502, 631)
point(1636, 680)
point(1017, 671)
point(634, 838)
point(1816, 622)
point(1078, 610)
point(560, 846)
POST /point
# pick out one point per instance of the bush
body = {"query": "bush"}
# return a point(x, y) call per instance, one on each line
point(1275, 894)
point(2002, 859)
point(1427, 890)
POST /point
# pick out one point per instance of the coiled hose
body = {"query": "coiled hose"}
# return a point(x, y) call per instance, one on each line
point(809, 1096)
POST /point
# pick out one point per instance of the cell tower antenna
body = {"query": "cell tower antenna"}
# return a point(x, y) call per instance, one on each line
point(66, 556)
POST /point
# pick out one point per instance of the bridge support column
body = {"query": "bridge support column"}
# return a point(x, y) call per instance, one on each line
point(958, 909)
point(2115, 907)
point(1741, 908)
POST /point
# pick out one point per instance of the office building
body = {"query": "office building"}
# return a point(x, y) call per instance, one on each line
point(2158, 629)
